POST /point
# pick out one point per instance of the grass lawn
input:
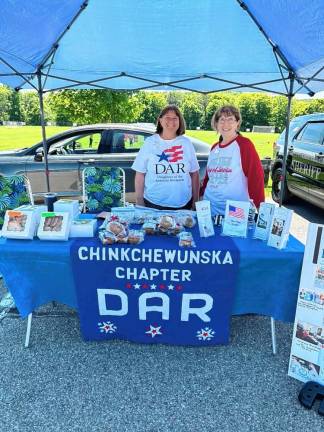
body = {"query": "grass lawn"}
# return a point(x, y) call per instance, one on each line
point(15, 137)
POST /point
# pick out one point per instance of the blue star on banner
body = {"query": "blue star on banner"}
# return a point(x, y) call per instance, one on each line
point(163, 156)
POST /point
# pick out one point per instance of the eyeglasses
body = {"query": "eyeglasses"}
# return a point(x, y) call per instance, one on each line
point(227, 120)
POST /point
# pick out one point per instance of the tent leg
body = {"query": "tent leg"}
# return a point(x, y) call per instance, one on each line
point(29, 323)
point(273, 336)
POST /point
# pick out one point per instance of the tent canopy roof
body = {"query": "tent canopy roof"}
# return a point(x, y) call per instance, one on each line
point(205, 46)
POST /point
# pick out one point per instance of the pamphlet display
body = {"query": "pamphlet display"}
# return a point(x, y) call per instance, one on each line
point(67, 205)
point(236, 218)
point(307, 349)
point(263, 225)
point(54, 226)
point(205, 223)
point(19, 224)
point(280, 225)
point(83, 228)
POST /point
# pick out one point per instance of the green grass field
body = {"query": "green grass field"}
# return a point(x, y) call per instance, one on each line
point(24, 136)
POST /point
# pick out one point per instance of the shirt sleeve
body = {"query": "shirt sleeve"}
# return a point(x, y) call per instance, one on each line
point(140, 162)
point(252, 169)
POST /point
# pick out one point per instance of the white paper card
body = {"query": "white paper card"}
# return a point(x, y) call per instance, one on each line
point(263, 224)
point(236, 218)
point(280, 225)
point(19, 224)
point(205, 223)
point(54, 226)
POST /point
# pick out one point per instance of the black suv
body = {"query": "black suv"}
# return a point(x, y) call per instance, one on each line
point(305, 161)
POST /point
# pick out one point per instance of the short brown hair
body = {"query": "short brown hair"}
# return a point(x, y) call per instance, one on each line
point(182, 124)
point(227, 111)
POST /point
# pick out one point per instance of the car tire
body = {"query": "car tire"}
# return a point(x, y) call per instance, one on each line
point(276, 187)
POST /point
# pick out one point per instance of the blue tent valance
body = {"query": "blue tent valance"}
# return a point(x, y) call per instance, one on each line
point(198, 45)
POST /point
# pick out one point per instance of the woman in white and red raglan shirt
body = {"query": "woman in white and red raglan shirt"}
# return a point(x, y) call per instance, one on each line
point(234, 170)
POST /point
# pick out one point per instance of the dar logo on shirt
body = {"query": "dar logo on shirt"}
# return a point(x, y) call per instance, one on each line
point(171, 155)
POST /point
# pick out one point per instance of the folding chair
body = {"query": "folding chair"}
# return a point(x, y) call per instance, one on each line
point(15, 191)
point(103, 188)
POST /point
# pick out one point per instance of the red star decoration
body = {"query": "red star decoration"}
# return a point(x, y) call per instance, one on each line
point(162, 286)
point(178, 287)
point(145, 286)
point(129, 285)
point(205, 334)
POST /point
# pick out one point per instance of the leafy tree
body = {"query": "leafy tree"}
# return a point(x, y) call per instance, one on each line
point(150, 105)
point(90, 106)
point(5, 102)
point(29, 102)
point(192, 110)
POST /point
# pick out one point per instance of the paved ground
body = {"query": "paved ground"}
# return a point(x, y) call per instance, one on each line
point(63, 384)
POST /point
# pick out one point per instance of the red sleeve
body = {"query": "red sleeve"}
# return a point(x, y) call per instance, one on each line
point(206, 178)
point(252, 169)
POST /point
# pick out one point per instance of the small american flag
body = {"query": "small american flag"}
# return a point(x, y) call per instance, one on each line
point(175, 153)
point(236, 212)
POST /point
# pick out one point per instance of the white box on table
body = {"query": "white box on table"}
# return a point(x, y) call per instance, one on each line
point(67, 205)
point(19, 224)
point(83, 228)
point(37, 209)
point(54, 226)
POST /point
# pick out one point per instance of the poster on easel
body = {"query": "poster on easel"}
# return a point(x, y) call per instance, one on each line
point(307, 349)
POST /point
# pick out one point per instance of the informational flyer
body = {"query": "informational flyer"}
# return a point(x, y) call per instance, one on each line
point(307, 349)
point(263, 225)
point(205, 223)
point(236, 218)
point(280, 226)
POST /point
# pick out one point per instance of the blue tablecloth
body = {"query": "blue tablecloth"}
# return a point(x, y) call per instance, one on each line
point(37, 272)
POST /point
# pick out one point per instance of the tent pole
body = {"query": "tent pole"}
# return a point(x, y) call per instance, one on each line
point(42, 118)
point(288, 114)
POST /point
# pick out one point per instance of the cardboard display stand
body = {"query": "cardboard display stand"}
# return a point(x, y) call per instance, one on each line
point(307, 349)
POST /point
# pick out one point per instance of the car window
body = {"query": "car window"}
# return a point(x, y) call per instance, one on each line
point(126, 142)
point(312, 132)
point(78, 144)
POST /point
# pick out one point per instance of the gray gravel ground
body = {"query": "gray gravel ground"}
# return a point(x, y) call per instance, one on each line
point(64, 384)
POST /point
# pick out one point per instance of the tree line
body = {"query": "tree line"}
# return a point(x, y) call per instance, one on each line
point(67, 107)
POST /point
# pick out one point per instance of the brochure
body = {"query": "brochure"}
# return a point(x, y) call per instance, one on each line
point(236, 218)
point(280, 225)
point(205, 223)
point(263, 225)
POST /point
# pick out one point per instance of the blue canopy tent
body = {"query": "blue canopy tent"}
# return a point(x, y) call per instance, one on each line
point(203, 46)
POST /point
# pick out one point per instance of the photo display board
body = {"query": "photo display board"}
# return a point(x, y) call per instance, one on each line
point(307, 350)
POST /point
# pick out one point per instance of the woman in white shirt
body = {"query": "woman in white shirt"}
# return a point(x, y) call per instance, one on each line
point(167, 170)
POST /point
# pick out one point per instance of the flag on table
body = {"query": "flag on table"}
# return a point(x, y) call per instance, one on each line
point(236, 212)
